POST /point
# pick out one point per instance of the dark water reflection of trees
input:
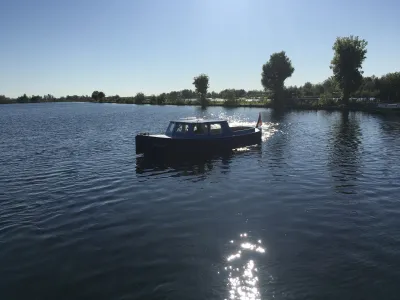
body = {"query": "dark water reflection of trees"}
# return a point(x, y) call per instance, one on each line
point(344, 157)
point(187, 167)
point(389, 126)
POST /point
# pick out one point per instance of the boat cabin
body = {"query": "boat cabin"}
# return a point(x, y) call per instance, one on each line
point(198, 128)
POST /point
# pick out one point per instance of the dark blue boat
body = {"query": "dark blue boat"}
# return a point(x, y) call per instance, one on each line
point(198, 136)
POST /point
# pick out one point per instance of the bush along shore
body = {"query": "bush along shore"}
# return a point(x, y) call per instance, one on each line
point(346, 89)
point(308, 103)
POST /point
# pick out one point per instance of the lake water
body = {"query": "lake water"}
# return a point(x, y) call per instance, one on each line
point(312, 213)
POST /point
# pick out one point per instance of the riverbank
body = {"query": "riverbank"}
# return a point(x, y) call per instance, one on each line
point(364, 107)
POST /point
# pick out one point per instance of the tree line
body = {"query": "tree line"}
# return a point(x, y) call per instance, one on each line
point(182, 97)
point(346, 84)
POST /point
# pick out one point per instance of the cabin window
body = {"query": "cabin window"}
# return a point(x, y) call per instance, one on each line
point(216, 129)
point(200, 129)
point(181, 128)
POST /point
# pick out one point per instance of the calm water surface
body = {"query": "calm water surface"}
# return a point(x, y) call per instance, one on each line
point(313, 213)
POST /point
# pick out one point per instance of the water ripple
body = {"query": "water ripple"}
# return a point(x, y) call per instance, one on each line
point(81, 217)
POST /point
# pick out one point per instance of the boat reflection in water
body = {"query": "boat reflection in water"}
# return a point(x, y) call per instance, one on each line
point(189, 165)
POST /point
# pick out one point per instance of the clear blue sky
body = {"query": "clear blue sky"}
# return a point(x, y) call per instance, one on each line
point(152, 46)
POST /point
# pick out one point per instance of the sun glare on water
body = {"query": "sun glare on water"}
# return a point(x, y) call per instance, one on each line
point(241, 269)
point(268, 128)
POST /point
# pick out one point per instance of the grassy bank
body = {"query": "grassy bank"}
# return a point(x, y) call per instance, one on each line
point(361, 106)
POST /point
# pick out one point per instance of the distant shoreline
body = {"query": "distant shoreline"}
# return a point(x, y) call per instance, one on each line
point(362, 107)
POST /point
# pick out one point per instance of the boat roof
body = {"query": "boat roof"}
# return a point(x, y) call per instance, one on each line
point(195, 120)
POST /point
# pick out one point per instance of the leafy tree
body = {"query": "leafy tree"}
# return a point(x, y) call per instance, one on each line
point(369, 88)
point(224, 93)
point(23, 99)
point(318, 89)
point(4, 99)
point(201, 84)
point(331, 86)
point(153, 99)
point(161, 99)
point(139, 98)
point(307, 89)
point(349, 54)
point(117, 99)
point(230, 96)
point(95, 95)
point(255, 93)
point(101, 96)
point(48, 98)
point(187, 94)
point(214, 95)
point(228, 93)
point(35, 99)
point(389, 86)
point(173, 97)
point(240, 93)
point(292, 92)
point(274, 73)
point(130, 100)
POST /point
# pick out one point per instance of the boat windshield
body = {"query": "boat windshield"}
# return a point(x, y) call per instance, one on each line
point(170, 128)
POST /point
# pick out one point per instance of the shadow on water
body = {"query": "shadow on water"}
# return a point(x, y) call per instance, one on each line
point(277, 116)
point(390, 124)
point(389, 128)
point(192, 166)
point(201, 111)
point(344, 157)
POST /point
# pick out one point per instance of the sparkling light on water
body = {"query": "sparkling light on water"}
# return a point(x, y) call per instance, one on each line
point(268, 128)
point(241, 270)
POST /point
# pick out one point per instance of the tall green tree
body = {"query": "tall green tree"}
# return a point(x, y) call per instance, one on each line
point(139, 98)
point(95, 95)
point(98, 96)
point(349, 54)
point(201, 84)
point(273, 76)
point(101, 96)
